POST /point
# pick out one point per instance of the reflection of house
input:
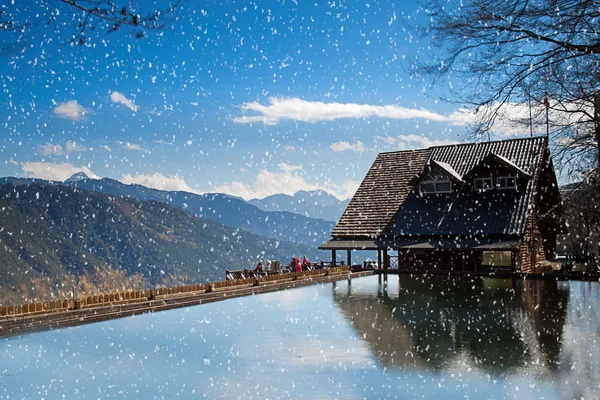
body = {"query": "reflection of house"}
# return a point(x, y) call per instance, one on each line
point(434, 324)
point(388, 338)
point(459, 207)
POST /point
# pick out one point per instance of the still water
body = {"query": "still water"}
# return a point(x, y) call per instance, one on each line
point(404, 338)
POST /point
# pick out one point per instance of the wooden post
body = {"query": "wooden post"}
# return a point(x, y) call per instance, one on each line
point(386, 259)
point(378, 258)
point(349, 257)
point(333, 263)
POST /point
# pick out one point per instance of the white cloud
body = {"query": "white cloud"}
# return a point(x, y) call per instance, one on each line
point(72, 146)
point(48, 149)
point(105, 147)
point(71, 110)
point(118, 97)
point(344, 191)
point(163, 142)
point(159, 181)
point(516, 119)
point(13, 162)
point(288, 181)
point(409, 142)
point(313, 111)
point(285, 167)
point(346, 146)
point(131, 146)
point(512, 119)
point(54, 171)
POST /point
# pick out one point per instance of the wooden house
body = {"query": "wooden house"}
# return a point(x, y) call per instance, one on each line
point(464, 207)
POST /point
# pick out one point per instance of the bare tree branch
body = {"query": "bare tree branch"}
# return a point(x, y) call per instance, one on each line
point(86, 15)
point(517, 52)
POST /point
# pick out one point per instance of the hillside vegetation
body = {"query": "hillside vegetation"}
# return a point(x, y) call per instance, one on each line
point(227, 210)
point(56, 237)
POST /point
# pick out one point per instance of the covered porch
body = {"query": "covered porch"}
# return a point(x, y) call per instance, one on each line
point(443, 254)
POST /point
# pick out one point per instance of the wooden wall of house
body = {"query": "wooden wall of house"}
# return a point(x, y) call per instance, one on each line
point(439, 259)
point(419, 259)
point(543, 245)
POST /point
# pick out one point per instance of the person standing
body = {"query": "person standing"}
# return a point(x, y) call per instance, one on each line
point(259, 267)
point(305, 264)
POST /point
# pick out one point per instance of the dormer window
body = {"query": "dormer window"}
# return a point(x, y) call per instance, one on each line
point(482, 184)
point(507, 182)
point(435, 184)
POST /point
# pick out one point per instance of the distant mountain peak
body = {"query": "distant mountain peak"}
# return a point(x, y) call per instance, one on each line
point(314, 204)
point(318, 192)
point(79, 176)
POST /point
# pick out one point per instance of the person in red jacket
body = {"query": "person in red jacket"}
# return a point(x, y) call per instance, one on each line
point(259, 267)
point(305, 264)
point(298, 265)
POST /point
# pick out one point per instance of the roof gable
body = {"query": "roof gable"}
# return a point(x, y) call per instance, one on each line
point(493, 158)
point(434, 166)
point(523, 153)
point(447, 168)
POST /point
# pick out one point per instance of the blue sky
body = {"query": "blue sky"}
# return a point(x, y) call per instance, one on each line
point(246, 98)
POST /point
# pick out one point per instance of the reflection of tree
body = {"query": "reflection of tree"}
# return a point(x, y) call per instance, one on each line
point(493, 325)
point(546, 305)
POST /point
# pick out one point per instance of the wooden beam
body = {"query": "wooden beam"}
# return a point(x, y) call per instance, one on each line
point(378, 258)
point(349, 257)
point(333, 263)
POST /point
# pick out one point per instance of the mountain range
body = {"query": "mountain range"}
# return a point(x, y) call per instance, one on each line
point(54, 237)
point(231, 211)
point(313, 204)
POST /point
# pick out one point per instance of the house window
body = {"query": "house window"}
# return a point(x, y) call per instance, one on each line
point(483, 183)
point(507, 182)
point(435, 184)
point(497, 259)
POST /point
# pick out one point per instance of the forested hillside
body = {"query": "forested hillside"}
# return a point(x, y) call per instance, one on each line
point(55, 237)
point(227, 210)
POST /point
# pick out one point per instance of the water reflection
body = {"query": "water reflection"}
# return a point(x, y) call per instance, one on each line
point(408, 338)
point(499, 327)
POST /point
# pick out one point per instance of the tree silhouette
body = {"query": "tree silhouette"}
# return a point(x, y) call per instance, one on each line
point(519, 56)
point(81, 16)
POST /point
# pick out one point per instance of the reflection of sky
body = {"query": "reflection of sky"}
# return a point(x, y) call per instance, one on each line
point(292, 344)
point(580, 358)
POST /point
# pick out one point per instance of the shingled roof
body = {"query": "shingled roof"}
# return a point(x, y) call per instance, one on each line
point(387, 201)
point(380, 194)
point(467, 211)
